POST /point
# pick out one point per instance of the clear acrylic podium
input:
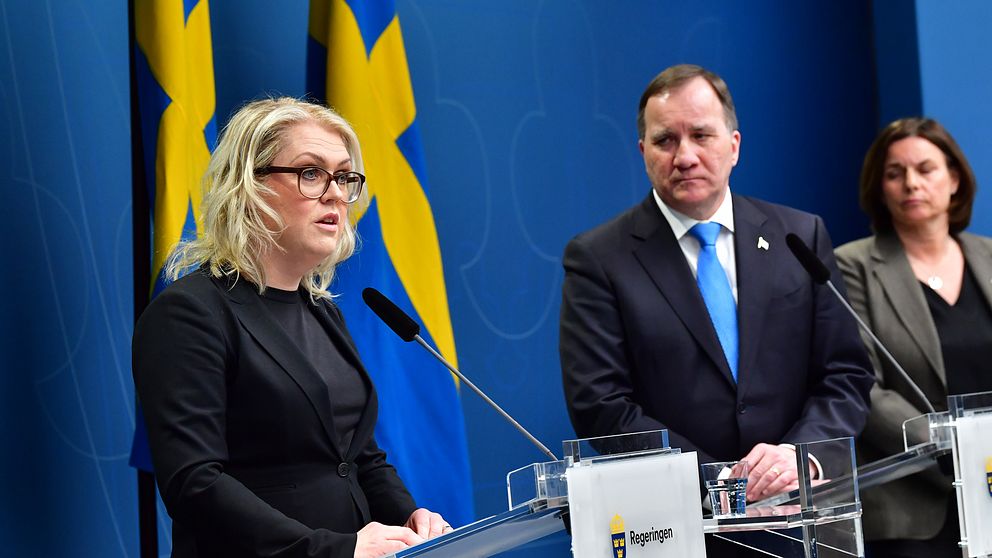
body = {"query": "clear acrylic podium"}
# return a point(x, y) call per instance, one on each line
point(822, 518)
point(969, 426)
point(964, 431)
point(819, 523)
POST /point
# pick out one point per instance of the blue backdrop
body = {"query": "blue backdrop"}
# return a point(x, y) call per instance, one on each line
point(527, 114)
point(65, 388)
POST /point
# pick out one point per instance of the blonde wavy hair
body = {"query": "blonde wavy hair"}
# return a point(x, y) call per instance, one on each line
point(235, 216)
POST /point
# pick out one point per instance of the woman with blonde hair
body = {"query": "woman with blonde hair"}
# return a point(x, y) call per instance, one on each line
point(260, 414)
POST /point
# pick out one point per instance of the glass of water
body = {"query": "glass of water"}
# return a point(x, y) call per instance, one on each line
point(726, 483)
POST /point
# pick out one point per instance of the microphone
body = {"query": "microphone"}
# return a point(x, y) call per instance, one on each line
point(821, 275)
point(409, 330)
point(808, 259)
point(397, 320)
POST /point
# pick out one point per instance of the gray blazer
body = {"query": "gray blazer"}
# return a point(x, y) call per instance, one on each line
point(886, 294)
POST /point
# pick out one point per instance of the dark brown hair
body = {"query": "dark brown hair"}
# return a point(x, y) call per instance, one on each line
point(676, 76)
point(870, 192)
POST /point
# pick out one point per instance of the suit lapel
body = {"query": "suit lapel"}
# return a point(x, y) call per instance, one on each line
point(979, 258)
point(334, 326)
point(906, 298)
point(755, 268)
point(662, 258)
point(273, 340)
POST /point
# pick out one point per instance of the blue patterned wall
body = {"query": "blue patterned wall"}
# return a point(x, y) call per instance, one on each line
point(527, 113)
point(66, 396)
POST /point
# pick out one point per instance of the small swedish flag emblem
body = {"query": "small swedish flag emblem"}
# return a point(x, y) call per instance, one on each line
point(618, 536)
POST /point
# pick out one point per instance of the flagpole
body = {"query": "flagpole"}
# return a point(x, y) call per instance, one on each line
point(141, 241)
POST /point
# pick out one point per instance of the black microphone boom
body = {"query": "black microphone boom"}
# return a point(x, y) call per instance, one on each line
point(820, 274)
point(409, 330)
point(808, 259)
point(397, 320)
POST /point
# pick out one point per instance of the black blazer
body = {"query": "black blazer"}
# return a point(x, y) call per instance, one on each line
point(242, 432)
point(639, 352)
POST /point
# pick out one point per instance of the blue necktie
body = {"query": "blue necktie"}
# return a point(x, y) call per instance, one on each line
point(715, 288)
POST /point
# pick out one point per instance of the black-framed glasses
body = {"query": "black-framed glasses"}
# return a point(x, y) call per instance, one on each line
point(313, 182)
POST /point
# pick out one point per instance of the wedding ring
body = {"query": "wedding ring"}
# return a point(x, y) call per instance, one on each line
point(776, 471)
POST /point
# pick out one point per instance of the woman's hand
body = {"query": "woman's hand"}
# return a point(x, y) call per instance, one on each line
point(427, 524)
point(376, 539)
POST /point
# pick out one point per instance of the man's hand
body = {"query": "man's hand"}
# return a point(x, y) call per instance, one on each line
point(427, 524)
point(376, 539)
point(772, 470)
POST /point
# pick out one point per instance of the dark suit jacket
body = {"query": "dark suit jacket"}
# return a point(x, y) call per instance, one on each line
point(638, 350)
point(242, 431)
point(886, 294)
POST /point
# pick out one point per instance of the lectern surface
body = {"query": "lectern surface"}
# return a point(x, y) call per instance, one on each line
point(491, 535)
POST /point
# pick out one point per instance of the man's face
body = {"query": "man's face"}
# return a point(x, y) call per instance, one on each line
point(688, 150)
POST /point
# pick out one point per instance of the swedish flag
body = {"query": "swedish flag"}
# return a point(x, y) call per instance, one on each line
point(357, 63)
point(175, 81)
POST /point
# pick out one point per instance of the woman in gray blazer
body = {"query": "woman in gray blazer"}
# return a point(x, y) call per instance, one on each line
point(925, 287)
point(260, 414)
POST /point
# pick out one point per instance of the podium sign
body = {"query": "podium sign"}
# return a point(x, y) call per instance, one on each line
point(633, 496)
point(648, 507)
point(975, 449)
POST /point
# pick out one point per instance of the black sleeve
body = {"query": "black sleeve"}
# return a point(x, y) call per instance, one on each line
point(389, 501)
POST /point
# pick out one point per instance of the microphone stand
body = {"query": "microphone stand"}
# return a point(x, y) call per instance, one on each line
point(878, 343)
point(481, 394)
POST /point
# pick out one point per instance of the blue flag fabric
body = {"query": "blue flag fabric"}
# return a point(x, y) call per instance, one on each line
point(421, 426)
point(176, 100)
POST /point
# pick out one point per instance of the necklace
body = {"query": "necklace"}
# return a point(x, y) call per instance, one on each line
point(932, 271)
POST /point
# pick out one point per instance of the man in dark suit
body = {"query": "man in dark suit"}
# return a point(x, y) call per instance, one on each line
point(748, 360)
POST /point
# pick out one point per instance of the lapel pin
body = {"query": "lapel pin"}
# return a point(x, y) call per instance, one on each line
point(762, 243)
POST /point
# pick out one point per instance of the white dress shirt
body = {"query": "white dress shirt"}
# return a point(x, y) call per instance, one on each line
point(690, 246)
